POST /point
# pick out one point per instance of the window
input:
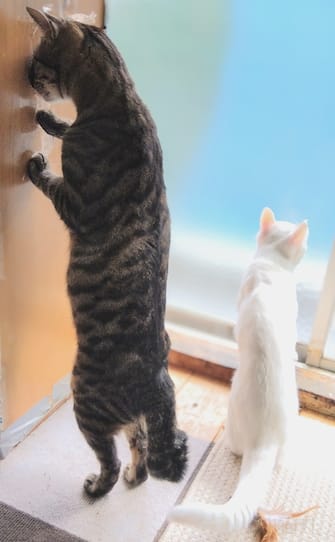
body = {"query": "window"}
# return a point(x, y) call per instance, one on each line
point(243, 96)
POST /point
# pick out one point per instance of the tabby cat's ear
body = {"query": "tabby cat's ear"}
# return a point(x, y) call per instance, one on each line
point(266, 220)
point(300, 234)
point(47, 23)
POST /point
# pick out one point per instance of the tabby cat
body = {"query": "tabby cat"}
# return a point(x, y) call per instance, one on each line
point(112, 199)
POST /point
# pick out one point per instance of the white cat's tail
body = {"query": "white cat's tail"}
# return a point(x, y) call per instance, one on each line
point(240, 510)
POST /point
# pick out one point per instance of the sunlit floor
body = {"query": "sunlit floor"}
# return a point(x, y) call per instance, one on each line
point(43, 475)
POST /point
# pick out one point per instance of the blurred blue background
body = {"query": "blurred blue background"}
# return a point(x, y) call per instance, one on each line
point(243, 97)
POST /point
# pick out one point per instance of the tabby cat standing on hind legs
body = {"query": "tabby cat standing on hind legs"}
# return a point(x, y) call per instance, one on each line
point(112, 199)
point(263, 404)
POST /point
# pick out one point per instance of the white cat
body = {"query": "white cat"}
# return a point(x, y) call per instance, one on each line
point(263, 403)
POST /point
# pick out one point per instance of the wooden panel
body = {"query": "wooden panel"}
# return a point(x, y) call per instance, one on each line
point(308, 400)
point(179, 376)
point(37, 338)
point(202, 406)
point(201, 366)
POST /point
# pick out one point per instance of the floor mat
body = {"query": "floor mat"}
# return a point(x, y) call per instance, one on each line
point(306, 478)
point(43, 476)
point(17, 526)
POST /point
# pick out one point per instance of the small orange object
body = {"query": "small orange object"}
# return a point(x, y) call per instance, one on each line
point(266, 531)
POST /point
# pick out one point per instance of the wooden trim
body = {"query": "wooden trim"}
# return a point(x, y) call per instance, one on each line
point(316, 403)
point(308, 400)
point(201, 366)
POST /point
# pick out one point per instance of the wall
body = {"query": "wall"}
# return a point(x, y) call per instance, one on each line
point(37, 337)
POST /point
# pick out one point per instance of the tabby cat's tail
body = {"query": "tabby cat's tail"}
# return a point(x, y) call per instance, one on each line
point(240, 510)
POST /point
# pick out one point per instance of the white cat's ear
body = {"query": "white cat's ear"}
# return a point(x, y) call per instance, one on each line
point(300, 234)
point(267, 219)
point(47, 23)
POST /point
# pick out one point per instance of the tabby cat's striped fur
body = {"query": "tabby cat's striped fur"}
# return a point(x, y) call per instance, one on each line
point(112, 199)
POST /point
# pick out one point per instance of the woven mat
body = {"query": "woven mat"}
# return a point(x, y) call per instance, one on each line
point(16, 526)
point(306, 478)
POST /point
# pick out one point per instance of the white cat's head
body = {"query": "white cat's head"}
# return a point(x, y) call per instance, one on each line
point(285, 240)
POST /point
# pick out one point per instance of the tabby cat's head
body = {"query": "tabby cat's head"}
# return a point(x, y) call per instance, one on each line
point(53, 59)
point(67, 50)
point(285, 239)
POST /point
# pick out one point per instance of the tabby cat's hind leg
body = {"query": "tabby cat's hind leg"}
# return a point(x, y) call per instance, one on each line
point(136, 472)
point(104, 447)
point(167, 445)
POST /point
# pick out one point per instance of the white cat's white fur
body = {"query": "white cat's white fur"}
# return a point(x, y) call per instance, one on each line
point(263, 403)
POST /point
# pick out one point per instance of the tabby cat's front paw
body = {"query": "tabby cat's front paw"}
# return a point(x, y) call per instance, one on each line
point(36, 165)
point(45, 119)
point(51, 124)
